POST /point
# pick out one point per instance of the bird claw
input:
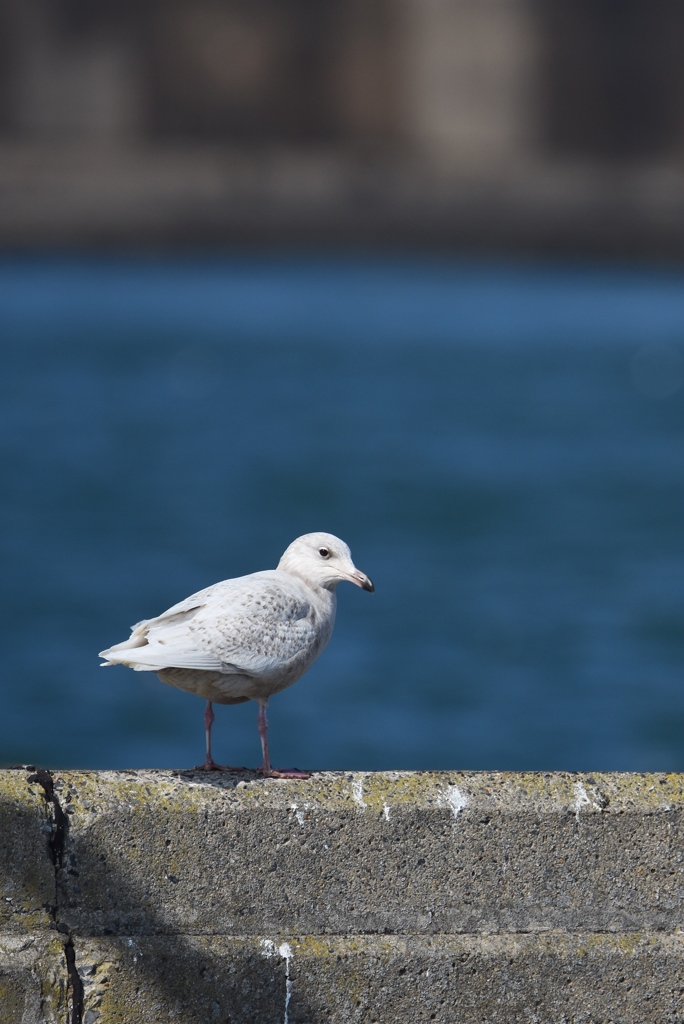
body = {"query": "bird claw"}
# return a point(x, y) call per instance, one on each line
point(211, 766)
point(285, 773)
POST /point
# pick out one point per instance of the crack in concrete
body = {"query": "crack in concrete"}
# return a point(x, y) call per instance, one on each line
point(59, 826)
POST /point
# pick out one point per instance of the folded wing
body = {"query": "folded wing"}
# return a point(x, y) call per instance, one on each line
point(252, 625)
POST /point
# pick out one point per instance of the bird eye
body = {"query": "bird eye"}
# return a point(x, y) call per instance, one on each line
point(324, 553)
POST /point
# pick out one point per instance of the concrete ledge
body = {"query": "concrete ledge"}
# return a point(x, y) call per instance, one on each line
point(412, 979)
point(347, 897)
point(152, 852)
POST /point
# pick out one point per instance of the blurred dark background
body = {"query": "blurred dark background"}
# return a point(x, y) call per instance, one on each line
point(550, 127)
point(410, 271)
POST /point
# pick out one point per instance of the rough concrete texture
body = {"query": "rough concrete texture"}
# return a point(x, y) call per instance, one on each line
point(148, 853)
point(446, 896)
point(27, 879)
point(413, 979)
point(33, 979)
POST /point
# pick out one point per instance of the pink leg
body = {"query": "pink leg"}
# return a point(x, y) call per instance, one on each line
point(209, 763)
point(266, 770)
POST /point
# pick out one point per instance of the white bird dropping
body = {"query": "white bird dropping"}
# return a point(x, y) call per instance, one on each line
point(247, 638)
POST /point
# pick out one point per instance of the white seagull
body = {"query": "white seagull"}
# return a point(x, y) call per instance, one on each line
point(249, 637)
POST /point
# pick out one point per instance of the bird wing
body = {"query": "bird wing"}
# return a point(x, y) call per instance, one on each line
point(251, 625)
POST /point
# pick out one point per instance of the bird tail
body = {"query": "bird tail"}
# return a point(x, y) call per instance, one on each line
point(138, 638)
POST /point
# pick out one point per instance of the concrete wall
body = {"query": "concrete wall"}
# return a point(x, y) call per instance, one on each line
point(153, 896)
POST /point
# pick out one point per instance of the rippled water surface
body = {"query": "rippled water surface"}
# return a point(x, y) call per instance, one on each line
point(502, 447)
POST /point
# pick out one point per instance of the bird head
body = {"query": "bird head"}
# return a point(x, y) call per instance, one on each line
point(324, 561)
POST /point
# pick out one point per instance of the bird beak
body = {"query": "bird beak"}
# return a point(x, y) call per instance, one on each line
point(361, 580)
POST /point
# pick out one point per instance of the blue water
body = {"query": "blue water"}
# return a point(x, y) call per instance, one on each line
point(501, 446)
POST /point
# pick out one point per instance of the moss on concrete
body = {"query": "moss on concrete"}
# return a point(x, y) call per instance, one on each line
point(27, 881)
point(468, 979)
point(32, 979)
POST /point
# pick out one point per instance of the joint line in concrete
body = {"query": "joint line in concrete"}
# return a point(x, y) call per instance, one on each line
point(59, 824)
